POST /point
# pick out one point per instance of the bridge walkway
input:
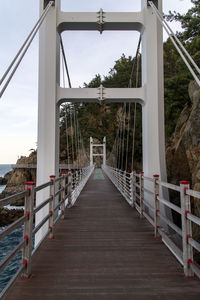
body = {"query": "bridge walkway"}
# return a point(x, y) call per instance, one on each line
point(103, 250)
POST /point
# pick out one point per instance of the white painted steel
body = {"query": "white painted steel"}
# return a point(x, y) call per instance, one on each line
point(170, 186)
point(193, 218)
point(48, 111)
point(90, 21)
point(92, 95)
point(186, 228)
point(152, 80)
point(119, 179)
point(192, 193)
point(92, 154)
point(81, 183)
point(169, 204)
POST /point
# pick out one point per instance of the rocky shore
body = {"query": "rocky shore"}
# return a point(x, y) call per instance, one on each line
point(15, 181)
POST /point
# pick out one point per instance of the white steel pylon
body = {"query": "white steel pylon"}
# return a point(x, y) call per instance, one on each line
point(51, 95)
point(92, 154)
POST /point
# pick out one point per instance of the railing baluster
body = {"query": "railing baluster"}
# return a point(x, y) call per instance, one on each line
point(28, 226)
point(69, 189)
point(134, 186)
point(51, 205)
point(141, 193)
point(63, 196)
point(186, 228)
point(156, 206)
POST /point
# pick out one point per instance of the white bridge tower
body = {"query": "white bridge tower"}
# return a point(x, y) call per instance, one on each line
point(51, 95)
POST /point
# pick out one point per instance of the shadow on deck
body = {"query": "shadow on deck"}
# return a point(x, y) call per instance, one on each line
point(103, 250)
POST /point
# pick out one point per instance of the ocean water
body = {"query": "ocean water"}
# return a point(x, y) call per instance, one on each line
point(4, 169)
point(8, 243)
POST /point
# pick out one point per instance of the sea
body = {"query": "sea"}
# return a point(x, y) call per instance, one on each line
point(4, 169)
point(8, 243)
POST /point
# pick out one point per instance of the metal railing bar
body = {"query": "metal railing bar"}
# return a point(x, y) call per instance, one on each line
point(58, 192)
point(148, 191)
point(148, 178)
point(171, 246)
point(9, 257)
point(172, 225)
point(193, 218)
point(41, 205)
point(58, 179)
point(169, 204)
point(193, 193)
point(42, 186)
point(138, 196)
point(169, 185)
point(137, 175)
point(58, 218)
point(58, 205)
point(149, 218)
point(195, 269)
point(3, 294)
point(41, 223)
point(137, 185)
point(137, 207)
point(194, 244)
point(40, 243)
point(13, 198)
point(12, 226)
point(148, 205)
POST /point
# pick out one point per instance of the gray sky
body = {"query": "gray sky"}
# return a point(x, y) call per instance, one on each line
point(88, 53)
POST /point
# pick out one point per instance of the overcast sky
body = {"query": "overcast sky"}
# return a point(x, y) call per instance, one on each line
point(88, 53)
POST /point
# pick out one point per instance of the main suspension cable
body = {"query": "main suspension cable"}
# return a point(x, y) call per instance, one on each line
point(173, 39)
point(65, 61)
point(24, 44)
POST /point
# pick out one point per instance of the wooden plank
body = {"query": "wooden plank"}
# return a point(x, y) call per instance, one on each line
point(103, 250)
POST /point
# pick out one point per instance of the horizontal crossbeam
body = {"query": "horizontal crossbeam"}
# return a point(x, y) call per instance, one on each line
point(93, 95)
point(92, 21)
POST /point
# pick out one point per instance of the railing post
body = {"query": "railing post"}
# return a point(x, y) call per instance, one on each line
point(28, 225)
point(141, 193)
point(156, 206)
point(63, 196)
point(131, 186)
point(124, 182)
point(69, 189)
point(186, 228)
point(76, 178)
point(51, 206)
point(134, 186)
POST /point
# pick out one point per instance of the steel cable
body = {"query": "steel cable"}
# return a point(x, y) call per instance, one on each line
point(24, 52)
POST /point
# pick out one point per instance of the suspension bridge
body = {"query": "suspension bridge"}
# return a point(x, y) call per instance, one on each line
point(103, 233)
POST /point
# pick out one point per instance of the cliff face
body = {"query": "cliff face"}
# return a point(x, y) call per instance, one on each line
point(183, 152)
point(18, 177)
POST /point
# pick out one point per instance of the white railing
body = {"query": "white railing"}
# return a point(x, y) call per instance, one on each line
point(146, 195)
point(63, 193)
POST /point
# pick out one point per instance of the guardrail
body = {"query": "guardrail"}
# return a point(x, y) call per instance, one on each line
point(137, 189)
point(63, 193)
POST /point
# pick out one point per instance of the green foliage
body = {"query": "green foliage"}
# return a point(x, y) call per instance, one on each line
point(190, 22)
point(177, 76)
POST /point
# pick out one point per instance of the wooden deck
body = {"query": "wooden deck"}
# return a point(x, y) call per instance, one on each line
point(103, 250)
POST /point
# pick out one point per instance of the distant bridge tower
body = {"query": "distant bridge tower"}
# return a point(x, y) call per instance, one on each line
point(51, 95)
point(92, 154)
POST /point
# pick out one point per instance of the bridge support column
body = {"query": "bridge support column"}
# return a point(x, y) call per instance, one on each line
point(153, 109)
point(48, 112)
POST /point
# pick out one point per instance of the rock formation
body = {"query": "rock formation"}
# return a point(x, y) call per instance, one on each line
point(183, 152)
